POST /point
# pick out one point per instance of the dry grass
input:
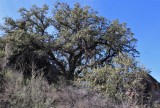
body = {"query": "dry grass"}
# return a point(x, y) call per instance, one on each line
point(37, 93)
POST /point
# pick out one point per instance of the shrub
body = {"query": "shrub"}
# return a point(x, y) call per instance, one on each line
point(37, 93)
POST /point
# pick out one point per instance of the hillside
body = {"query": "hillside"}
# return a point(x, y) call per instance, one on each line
point(87, 62)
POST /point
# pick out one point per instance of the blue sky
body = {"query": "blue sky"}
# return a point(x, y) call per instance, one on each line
point(142, 16)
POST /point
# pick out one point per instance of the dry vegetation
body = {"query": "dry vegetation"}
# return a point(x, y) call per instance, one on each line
point(37, 93)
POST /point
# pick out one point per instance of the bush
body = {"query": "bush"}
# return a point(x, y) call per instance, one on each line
point(33, 93)
point(37, 93)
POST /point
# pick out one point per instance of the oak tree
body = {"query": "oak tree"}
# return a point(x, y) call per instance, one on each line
point(69, 39)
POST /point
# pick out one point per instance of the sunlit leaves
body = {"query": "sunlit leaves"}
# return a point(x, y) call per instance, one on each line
point(75, 38)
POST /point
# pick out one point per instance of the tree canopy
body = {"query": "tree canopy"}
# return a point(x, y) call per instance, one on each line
point(66, 41)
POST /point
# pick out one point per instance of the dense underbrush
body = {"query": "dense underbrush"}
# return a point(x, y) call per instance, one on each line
point(15, 92)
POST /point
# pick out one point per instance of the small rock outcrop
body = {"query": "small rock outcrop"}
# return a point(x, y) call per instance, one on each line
point(144, 87)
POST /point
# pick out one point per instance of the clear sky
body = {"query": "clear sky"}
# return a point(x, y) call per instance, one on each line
point(142, 16)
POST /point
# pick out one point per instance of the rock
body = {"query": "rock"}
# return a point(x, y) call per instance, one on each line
point(144, 88)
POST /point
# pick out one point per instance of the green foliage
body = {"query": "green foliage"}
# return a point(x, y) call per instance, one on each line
point(83, 44)
point(82, 39)
point(2, 54)
point(2, 45)
point(117, 78)
point(75, 43)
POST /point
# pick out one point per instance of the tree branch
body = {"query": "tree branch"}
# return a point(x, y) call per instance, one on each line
point(61, 66)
